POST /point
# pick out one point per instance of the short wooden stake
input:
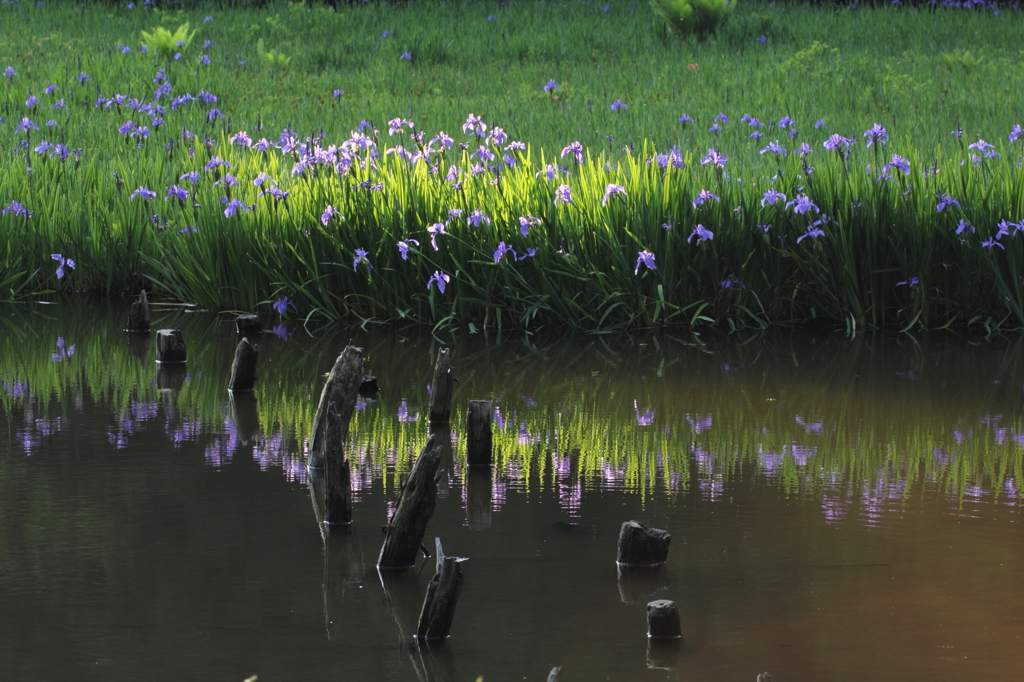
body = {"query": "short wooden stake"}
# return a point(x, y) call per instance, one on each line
point(243, 369)
point(138, 315)
point(478, 433)
point(640, 545)
point(248, 325)
point(442, 387)
point(663, 620)
point(403, 535)
point(170, 347)
point(443, 592)
point(341, 389)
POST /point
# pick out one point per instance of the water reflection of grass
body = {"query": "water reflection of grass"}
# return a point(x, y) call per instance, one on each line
point(863, 425)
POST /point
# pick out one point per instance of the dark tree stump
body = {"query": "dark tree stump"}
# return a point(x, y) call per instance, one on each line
point(248, 325)
point(478, 433)
point(403, 535)
point(640, 545)
point(340, 389)
point(138, 315)
point(170, 347)
point(338, 495)
point(441, 388)
point(663, 620)
point(443, 592)
point(243, 369)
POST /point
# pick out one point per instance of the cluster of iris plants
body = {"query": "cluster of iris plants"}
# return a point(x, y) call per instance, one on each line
point(124, 169)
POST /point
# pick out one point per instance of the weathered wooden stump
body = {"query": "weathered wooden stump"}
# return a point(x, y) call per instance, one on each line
point(442, 596)
point(245, 415)
point(478, 433)
point(640, 545)
point(369, 386)
point(340, 389)
point(441, 388)
point(663, 620)
point(248, 325)
point(403, 535)
point(640, 583)
point(170, 347)
point(338, 495)
point(138, 315)
point(243, 369)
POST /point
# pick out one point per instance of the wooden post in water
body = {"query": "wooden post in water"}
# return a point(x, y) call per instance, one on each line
point(442, 596)
point(170, 347)
point(441, 388)
point(243, 369)
point(248, 325)
point(478, 433)
point(403, 535)
point(138, 315)
point(663, 620)
point(640, 545)
point(340, 389)
point(338, 495)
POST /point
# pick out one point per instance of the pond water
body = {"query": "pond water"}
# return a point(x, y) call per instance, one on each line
point(840, 509)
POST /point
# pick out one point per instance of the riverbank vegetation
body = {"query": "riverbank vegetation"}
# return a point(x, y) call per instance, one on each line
point(476, 164)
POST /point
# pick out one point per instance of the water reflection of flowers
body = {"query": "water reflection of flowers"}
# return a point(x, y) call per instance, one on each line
point(63, 351)
point(645, 418)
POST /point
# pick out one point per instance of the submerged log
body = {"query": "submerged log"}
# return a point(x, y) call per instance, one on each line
point(248, 325)
point(478, 433)
point(441, 388)
point(442, 596)
point(338, 494)
point(640, 545)
point(138, 315)
point(403, 535)
point(243, 369)
point(663, 620)
point(341, 390)
point(170, 347)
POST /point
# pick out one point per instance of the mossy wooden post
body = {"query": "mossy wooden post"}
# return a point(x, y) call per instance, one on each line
point(170, 347)
point(478, 433)
point(338, 495)
point(243, 369)
point(248, 325)
point(403, 535)
point(640, 545)
point(341, 390)
point(442, 596)
point(441, 388)
point(138, 315)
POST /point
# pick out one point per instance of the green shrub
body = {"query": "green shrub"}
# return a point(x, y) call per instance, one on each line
point(700, 17)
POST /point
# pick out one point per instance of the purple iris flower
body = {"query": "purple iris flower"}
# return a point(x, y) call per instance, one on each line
point(945, 202)
point(440, 279)
point(63, 350)
point(563, 195)
point(475, 217)
point(576, 149)
point(721, 118)
point(1016, 133)
point(435, 230)
point(500, 252)
point(610, 190)
point(701, 233)
point(964, 226)
point(785, 122)
point(771, 196)
point(361, 257)
point(25, 125)
point(802, 204)
point(912, 283)
point(9, 72)
point(820, 123)
point(994, 241)
point(552, 85)
point(812, 231)
point(192, 176)
point(145, 193)
point(403, 247)
point(897, 163)
point(233, 205)
point(835, 141)
point(63, 262)
point(282, 304)
point(18, 210)
point(775, 148)
point(329, 214)
point(876, 134)
point(241, 138)
point(215, 163)
point(526, 222)
point(715, 159)
point(686, 118)
point(704, 196)
point(645, 258)
point(175, 190)
point(617, 104)
point(474, 125)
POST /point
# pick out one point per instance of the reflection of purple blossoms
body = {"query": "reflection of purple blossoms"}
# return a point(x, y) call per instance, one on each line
point(439, 278)
point(63, 351)
point(282, 304)
point(702, 234)
point(563, 195)
point(645, 258)
point(612, 190)
point(63, 262)
point(403, 247)
point(643, 418)
point(361, 257)
point(281, 331)
point(699, 423)
point(405, 416)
